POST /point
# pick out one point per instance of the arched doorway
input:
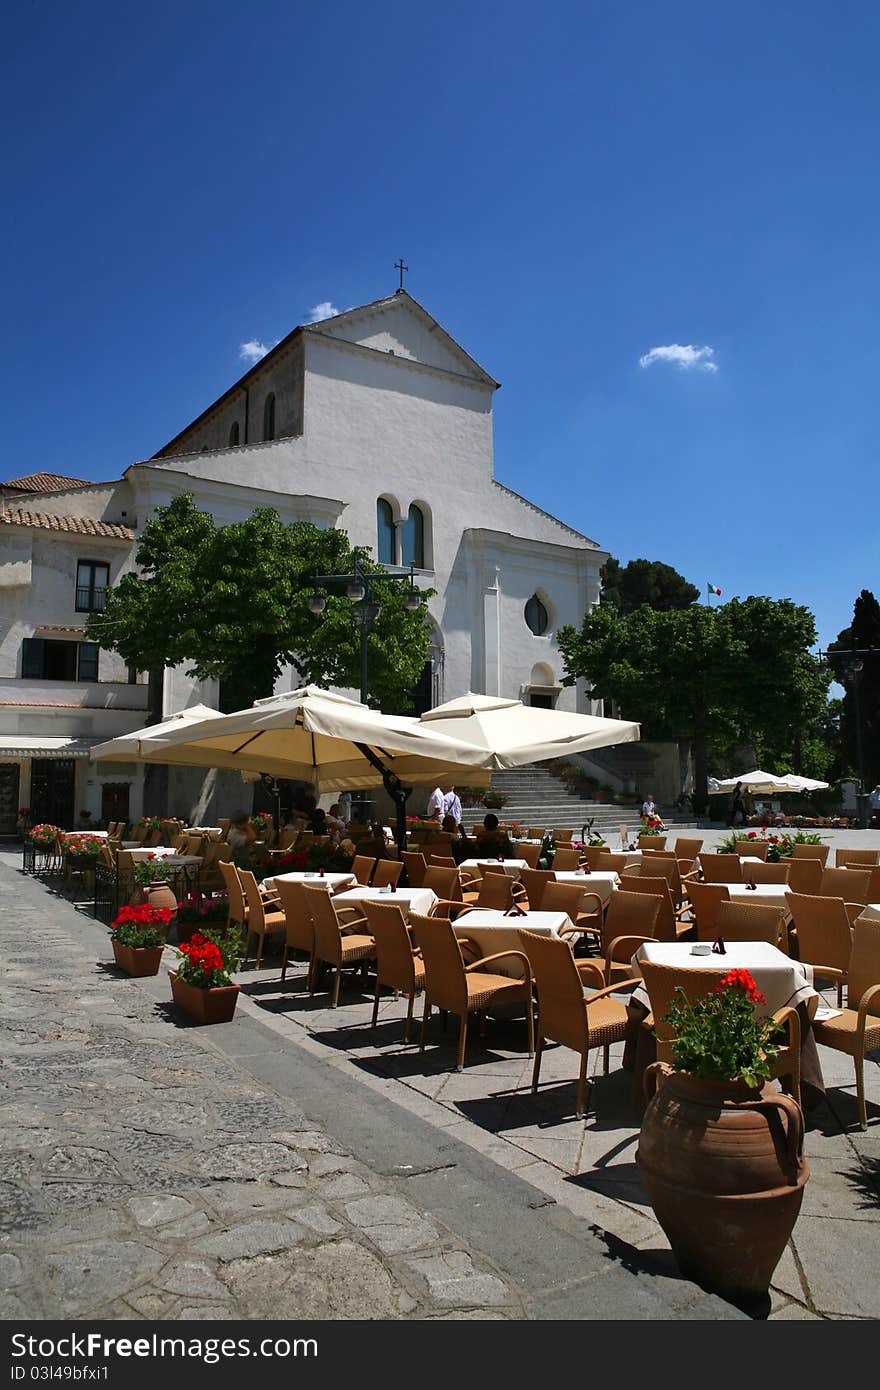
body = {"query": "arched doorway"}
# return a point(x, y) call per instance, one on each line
point(543, 689)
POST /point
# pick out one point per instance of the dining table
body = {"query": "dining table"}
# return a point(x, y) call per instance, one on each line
point(163, 852)
point(600, 881)
point(765, 894)
point(783, 981)
point(335, 883)
point(418, 900)
point(513, 867)
point(492, 930)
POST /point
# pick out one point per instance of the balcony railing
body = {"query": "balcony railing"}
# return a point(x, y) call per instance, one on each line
point(90, 600)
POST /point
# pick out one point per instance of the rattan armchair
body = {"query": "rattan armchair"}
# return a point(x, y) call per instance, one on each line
point(631, 918)
point(566, 1014)
point(857, 1030)
point(416, 867)
point(751, 849)
point(298, 925)
point(804, 875)
point(739, 921)
point(399, 966)
point(672, 925)
point(721, 868)
point(387, 871)
point(584, 908)
point(339, 938)
point(706, 898)
point(535, 881)
point(855, 858)
point(567, 859)
point(852, 885)
point(824, 936)
point(263, 919)
point(461, 989)
point(362, 867)
point(819, 852)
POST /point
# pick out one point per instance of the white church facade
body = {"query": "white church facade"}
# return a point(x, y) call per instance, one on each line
point(375, 421)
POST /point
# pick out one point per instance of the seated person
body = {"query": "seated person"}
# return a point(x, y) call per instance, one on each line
point(460, 847)
point(241, 835)
point(334, 819)
point(493, 843)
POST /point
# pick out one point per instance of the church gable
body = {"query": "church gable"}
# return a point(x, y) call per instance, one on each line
point(399, 326)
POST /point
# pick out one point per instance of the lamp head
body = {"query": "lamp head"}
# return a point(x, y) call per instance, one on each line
point(355, 591)
point(317, 603)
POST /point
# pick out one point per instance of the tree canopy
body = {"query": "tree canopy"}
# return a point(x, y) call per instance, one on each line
point(661, 587)
point(233, 602)
point(741, 673)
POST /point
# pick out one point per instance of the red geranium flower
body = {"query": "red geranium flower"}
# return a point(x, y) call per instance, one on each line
point(741, 979)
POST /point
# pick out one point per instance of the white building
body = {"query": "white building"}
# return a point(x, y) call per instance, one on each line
point(375, 421)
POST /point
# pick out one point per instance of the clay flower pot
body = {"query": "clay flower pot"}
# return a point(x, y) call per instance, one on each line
point(724, 1167)
point(137, 960)
point(159, 894)
point(204, 1005)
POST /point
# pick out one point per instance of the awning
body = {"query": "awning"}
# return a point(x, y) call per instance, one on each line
point(44, 746)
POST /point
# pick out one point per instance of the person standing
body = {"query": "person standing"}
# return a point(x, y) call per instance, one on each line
point(451, 804)
point(737, 807)
point(435, 805)
point(345, 806)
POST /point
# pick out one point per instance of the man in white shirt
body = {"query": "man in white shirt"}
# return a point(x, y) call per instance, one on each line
point(451, 804)
point(435, 805)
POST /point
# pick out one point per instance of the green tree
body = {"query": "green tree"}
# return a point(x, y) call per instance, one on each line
point(660, 586)
point(718, 677)
point(862, 634)
point(233, 602)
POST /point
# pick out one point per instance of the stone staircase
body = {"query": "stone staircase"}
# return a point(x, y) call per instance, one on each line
point(539, 798)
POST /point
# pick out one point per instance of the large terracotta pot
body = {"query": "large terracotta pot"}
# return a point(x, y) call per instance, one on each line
point(725, 1172)
point(204, 1005)
point(160, 894)
point(137, 960)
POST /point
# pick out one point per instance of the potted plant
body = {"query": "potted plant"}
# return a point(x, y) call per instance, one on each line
point(202, 983)
point(137, 935)
point(262, 823)
point(721, 1152)
point(199, 911)
point(152, 883)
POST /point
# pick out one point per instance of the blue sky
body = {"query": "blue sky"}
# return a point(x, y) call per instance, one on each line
point(572, 186)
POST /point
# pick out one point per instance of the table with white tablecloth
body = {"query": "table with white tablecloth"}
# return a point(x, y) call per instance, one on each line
point(335, 883)
point(765, 894)
point(418, 900)
point(513, 867)
point(493, 930)
point(163, 852)
point(94, 834)
point(783, 981)
point(600, 881)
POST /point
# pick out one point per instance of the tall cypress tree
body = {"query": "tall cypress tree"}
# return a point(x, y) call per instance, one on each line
point(863, 632)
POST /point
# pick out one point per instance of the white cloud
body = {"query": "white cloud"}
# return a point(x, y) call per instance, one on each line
point(324, 310)
point(684, 355)
point(253, 350)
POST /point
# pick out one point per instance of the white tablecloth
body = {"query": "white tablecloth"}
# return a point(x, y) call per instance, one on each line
point(767, 894)
point(492, 931)
point(784, 981)
point(334, 882)
point(513, 867)
point(601, 881)
point(164, 852)
point(418, 900)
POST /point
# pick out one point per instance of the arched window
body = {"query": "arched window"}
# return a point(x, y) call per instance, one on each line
point(233, 434)
point(412, 539)
point(385, 530)
point(269, 416)
point(536, 615)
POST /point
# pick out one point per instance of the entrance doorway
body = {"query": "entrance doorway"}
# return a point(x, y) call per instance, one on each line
point(52, 788)
point(114, 801)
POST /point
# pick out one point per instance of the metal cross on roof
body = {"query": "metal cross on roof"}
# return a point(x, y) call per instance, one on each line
point(399, 265)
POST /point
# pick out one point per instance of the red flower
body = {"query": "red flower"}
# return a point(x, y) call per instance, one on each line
point(751, 835)
point(151, 856)
point(741, 979)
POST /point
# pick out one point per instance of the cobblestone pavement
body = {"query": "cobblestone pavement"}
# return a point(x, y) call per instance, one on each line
point(146, 1173)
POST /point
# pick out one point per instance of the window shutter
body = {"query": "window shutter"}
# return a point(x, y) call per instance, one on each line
point(88, 661)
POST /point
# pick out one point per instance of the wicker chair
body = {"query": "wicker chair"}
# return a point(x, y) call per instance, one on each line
point(337, 943)
point(584, 908)
point(591, 854)
point(262, 919)
point(441, 861)
point(298, 924)
point(563, 833)
point(567, 859)
point(687, 848)
point(857, 1030)
point(856, 858)
point(537, 832)
point(387, 871)
point(445, 882)
point(535, 881)
point(416, 867)
point(852, 885)
point(739, 921)
point(819, 852)
point(496, 892)
point(631, 919)
point(751, 849)
point(652, 841)
point(565, 1014)
point(530, 853)
point(362, 866)
point(455, 988)
point(824, 935)
point(804, 875)
point(767, 873)
point(398, 965)
point(662, 981)
point(721, 868)
point(671, 924)
point(706, 898)
point(612, 862)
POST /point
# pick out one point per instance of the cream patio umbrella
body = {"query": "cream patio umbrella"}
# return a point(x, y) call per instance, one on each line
point(317, 736)
point(796, 783)
point(509, 733)
point(757, 782)
point(138, 746)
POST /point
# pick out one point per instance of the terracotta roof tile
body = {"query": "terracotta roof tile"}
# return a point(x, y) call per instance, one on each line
point(45, 482)
point(76, 525)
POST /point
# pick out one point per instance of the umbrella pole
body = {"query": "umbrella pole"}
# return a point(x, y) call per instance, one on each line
point(396, 790)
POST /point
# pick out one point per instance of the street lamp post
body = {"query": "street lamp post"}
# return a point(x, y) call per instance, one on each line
point(359, 591)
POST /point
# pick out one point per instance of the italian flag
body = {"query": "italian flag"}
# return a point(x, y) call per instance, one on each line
point(713, 590)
